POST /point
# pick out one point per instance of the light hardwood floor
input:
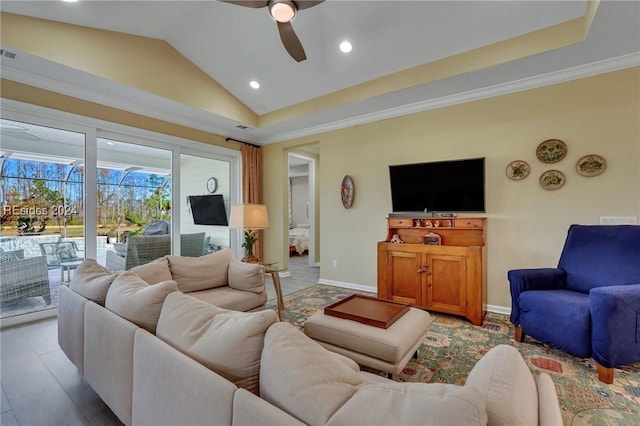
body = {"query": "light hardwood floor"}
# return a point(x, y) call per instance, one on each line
point(40, 386)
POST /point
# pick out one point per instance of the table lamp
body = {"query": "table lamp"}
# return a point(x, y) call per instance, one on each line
point(250, 217)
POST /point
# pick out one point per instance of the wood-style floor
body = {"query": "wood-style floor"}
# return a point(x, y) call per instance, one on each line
point(40, 386)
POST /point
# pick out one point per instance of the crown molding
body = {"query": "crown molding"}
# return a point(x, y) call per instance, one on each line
point(138, 102)
point(575, 73)
point(134, 101)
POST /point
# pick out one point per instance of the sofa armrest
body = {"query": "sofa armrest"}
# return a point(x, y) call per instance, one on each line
point(615, 319)
point(503, 378)
point(521, 280)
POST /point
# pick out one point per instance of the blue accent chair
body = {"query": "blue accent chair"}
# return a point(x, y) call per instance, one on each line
point(589, 306)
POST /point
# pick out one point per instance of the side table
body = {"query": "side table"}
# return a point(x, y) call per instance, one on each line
point(274, 271)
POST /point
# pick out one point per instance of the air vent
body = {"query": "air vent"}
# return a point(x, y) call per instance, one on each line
point(242, 127)
point(7, 54)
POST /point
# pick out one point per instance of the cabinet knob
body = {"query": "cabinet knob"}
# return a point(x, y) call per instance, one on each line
point(421, 271)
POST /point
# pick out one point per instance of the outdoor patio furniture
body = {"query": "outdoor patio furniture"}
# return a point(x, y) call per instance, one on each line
point(192, 245)
point(20, 277)
point(62, 254)
point(139, 249)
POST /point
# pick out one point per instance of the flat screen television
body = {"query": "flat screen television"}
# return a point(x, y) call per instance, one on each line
point(208, 210)
point(438, 187)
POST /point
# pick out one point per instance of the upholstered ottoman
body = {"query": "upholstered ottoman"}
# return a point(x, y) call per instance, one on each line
point(387, 350)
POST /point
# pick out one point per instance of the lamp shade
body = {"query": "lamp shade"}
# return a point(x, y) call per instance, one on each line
point(249, 216)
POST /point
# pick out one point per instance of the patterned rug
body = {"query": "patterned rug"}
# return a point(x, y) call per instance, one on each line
point(454, 345)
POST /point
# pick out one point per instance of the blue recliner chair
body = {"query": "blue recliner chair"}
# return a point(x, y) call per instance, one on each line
point(589, 306)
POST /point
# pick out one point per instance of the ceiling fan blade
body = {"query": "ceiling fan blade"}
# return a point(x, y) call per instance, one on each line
point(290, 41)
point(306, 4)
point(254, 4)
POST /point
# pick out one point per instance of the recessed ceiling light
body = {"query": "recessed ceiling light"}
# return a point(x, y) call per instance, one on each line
point(254, 84)
point(345, 47)
point(70, 1)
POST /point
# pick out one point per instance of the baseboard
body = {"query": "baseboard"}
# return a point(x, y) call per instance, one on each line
point(489, 308)
point(359, 287)
point(283, 274)
point(498, 309)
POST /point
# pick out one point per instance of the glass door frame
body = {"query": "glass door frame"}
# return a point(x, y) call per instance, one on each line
point(93, 129)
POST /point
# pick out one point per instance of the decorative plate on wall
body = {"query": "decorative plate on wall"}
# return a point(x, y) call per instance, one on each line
point(347, 191)
point(591, 165)
point(518, 169)
point(552, 179)
point(551, 151)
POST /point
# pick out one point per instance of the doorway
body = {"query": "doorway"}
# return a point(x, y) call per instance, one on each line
point(302, 208)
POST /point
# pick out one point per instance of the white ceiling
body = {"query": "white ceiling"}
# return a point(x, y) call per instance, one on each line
point(235, 45)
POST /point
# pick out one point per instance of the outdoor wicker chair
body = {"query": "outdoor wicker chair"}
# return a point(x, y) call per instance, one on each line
point(20, 277)
point(138, 250)
point(192, 245)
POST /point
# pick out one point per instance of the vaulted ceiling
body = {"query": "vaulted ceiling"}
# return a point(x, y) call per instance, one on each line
point(407, 56)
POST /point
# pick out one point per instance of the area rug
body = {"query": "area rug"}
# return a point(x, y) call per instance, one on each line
point(454, 345)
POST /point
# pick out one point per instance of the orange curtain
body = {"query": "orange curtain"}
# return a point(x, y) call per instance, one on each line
point(252, 183)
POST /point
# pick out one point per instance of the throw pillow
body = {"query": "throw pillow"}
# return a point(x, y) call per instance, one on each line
point(227, 342)
point(136, 301)
point(6, 257)
point(92, 281)
point(303, 378)
point(200, 273)
point(154, 272)
point(246, 276)
point(120, 248)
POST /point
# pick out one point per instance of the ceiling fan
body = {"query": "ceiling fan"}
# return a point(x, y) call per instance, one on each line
point(283, 11)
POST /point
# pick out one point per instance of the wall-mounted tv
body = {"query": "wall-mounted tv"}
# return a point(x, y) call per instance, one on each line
point(208, 210)
point(438, 187)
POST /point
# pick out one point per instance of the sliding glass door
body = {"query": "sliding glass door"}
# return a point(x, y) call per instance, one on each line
point(43, 212)
point(133, 199)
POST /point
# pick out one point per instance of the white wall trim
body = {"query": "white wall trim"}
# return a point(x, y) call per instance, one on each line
point(352, 286)
point(489, 308)
point(136, 101)
point(575, 73)
point(498, 309)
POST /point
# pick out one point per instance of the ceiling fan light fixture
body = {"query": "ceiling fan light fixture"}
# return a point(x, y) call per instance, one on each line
point(282, 10)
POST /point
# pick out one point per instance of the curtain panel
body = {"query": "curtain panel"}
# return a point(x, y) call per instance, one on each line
point(252, 184)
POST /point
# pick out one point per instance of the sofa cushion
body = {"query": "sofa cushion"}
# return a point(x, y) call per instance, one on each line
point(133, 299)
point(154, 272)
point(246, 276)
point(394, 403)
point(504, 379)
point(540, 308)
point(232, 299)
point(200, 273)
point(92, 281)
point(227, 342)
point(313, 396)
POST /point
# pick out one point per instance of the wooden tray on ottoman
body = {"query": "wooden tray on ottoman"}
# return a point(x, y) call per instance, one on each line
point(368, 310)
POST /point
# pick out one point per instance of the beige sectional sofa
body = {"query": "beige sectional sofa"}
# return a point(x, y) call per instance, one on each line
point(158, 356)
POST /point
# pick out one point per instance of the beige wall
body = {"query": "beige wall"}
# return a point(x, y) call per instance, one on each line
point(526, 224)
point(150, 65)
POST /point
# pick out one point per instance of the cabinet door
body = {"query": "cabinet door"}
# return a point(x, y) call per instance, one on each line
point(446, 283)
point(405, 277)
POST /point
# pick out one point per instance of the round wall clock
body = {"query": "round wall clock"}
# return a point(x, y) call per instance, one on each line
point(347, 191)
point(212, 185)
